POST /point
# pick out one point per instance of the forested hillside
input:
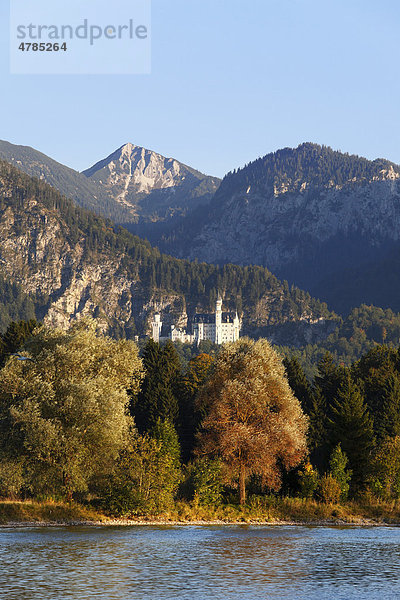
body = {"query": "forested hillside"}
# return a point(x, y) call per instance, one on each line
point(78, 263)
point(325, 221)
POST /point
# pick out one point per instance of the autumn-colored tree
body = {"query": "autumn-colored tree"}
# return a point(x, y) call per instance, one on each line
point(64, 410)
point(254, 423)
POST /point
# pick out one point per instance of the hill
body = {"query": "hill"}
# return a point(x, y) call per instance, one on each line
point(71, 262)
point(326, 221)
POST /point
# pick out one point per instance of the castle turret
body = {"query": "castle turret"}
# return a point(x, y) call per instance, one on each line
point(156, 326)
point(236, 327)
point(218, 321)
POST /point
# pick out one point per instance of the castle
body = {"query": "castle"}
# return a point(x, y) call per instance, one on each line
point(218, 327)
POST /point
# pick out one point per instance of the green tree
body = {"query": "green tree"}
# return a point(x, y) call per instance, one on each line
point(189, 416)
point(378, 374)
point(308, 480)
point(312, 403)
point(254, 423)
point(63, 412)
point(389, 422)
point(204, 481)
point(351, 426)
point(386, 469)
point(337, 468)
point(328, 381)
point(15, 337)
point(165, 433)
point(147, 473)
point(158, 397)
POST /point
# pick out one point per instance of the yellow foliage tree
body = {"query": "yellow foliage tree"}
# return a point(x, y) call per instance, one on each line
point(64, 410)
point(254, 423)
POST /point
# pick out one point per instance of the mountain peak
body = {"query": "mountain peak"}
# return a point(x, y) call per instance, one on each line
point(150, 185)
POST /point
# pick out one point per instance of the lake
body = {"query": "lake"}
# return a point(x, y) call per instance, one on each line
point(197, 563)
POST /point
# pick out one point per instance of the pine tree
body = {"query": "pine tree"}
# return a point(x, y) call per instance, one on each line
point(189, 416)
point(158, 398)
point(389, 423)
point(15, 337)
point(337, 464)
point(329, 379)
point(299, 383)
point(312, 403)
point(378, 373)
point(143, 408)
point(351, 426)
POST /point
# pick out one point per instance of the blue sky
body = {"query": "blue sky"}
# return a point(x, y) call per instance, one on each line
point(231, 80)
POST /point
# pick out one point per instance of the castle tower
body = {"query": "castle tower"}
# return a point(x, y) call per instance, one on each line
point(236, 327)
point(156, 327)
point(218, 321)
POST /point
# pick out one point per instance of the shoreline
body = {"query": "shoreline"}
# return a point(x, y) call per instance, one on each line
point(198, 523)
point(287, 512)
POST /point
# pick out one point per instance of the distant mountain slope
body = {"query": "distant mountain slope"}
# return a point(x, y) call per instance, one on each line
point(151, 186)
point(73, 263)
point(313, 216)
point(131, 186)
point(72, 184)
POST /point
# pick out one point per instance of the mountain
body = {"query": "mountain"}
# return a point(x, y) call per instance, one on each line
point(326, 221)
point(152, 187)
point(70, 262)
point(132, 186)
point(69, 182)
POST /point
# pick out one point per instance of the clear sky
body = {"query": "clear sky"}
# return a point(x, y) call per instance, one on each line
point(231, 80)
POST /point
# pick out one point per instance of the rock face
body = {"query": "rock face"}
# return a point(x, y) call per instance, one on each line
point(311, 215)
point(132, 185)
point(74, 264)
point(151, 186)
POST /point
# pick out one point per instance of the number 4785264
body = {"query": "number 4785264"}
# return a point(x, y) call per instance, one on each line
point(42, 47)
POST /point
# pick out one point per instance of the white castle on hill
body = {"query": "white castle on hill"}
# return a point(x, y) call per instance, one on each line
point(218, 327)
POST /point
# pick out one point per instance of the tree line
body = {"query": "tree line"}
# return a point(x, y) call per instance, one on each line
point(84, 416)
point(311, 163)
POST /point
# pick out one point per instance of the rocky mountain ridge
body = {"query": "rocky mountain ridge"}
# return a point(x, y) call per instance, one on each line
point(308, 214)
point(74, 263)
point(133, 185)
point(152, 186)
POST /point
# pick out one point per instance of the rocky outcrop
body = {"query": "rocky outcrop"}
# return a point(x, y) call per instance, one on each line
point(151, 186)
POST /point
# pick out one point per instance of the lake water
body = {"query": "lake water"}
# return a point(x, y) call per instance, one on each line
point(198, 563)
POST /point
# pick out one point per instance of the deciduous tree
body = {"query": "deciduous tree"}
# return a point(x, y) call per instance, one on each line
point(254, 423)
point(64, 411)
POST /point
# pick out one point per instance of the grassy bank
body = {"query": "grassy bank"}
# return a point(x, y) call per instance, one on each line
point(269, 510)
point(30, 511)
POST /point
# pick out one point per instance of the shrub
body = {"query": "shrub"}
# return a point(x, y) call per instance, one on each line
point(338, 463)
point(204, 481)
point(329, 489)
point(308, 481)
